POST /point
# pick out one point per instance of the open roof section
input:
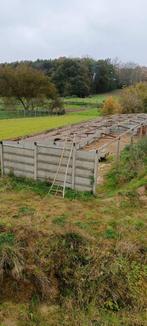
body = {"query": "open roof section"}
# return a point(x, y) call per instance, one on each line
point(88, 132)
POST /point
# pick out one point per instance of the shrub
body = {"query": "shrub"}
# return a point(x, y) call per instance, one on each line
point(132, 161)
point(134, 99)
point(111, 106)
point(57, 106)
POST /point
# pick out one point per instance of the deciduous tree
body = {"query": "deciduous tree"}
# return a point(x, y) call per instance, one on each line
point(25, 85)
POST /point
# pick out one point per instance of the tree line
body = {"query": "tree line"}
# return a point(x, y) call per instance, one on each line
point(41, 83)
point(86, 76)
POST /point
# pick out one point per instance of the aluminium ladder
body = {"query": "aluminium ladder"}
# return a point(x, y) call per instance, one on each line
point(58, 189)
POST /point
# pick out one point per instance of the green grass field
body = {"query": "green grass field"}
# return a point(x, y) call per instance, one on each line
point(13, 128)
point(71, 103)
point(94, 99)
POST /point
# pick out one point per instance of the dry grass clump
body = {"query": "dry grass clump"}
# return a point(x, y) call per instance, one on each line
point(72, 265)
point(11, 258)
point(108, 278)
point(41, 282)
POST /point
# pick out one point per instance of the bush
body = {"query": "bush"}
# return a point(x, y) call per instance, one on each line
point(132, 161)
point(57, 107)
point(111, 106)
point(134, 99)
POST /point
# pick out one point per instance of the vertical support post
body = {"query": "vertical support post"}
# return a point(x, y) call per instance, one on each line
point(95, 171)
point(2, 158)
point(141, 131)
point(132, 138)
point(74, 165)
point(35, 161)
point(118, 151)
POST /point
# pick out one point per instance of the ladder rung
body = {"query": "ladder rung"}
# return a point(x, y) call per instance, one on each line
point(56, 190)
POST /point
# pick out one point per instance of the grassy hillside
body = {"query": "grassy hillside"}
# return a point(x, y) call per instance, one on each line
point(93, 99)
point(79, 261)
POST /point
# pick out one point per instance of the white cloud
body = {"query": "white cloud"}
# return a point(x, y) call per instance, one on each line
point(31, 29)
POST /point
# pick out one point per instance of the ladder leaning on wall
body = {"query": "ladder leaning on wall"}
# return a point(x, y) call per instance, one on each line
point(59, 189)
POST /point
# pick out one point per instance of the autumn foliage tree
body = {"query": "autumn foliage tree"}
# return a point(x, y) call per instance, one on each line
point(111, 106)
point(134, 98)
point(25, 85)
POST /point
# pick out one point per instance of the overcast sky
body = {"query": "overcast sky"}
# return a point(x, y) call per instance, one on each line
point(31, 29)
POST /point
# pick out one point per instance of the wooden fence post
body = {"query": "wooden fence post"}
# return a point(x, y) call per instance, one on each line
point(35, 161)
point(95, 171)
point(2, 158)
point(74, 165)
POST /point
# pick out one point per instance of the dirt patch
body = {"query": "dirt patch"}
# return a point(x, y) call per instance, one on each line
point(103, 169)
point(110, 149)
point(9, 322)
